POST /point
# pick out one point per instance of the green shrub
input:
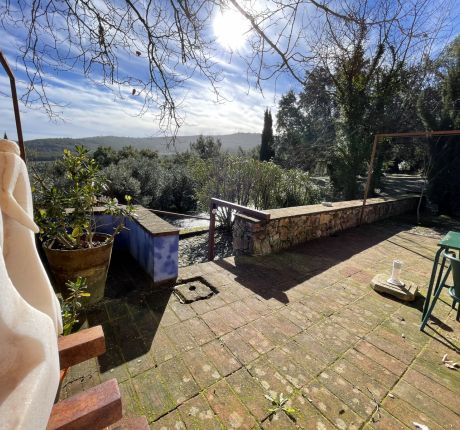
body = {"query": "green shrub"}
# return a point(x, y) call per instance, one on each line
point(249, 182)
point(72, 304)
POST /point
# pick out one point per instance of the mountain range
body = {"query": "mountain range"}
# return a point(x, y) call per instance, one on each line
point(50, 149)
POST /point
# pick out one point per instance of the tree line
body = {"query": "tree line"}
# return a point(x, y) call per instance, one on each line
point(186, 182)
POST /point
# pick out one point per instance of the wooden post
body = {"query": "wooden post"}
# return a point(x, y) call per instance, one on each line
point(369, 176)
point(212, 229)
point(14, 96)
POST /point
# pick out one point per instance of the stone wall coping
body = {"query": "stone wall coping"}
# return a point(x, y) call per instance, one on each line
point(296, 211)
point(153, 223)
point(150, 222)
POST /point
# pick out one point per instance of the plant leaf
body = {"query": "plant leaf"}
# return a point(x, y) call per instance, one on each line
point(76, 232)
point(290, 410)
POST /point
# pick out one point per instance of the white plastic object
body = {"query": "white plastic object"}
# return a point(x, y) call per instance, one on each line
point(396, 273)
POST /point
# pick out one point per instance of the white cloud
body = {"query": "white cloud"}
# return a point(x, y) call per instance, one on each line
point(89, 110)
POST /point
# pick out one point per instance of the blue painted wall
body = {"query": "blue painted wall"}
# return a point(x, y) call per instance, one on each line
point(157, 255)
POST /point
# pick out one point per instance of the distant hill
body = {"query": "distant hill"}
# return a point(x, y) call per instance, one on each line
point(50, 149)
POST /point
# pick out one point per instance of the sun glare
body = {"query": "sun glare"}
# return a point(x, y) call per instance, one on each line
point(230, 29)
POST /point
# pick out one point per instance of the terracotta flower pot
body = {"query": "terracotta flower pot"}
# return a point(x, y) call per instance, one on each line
point(89, 263)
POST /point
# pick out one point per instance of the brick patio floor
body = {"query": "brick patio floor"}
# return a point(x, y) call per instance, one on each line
point(304, 323)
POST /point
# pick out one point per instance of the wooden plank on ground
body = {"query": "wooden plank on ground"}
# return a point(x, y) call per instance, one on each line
point(81, 346)
point(94, 409)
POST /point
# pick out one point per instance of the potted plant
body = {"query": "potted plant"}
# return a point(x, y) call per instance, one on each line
point(66, 215)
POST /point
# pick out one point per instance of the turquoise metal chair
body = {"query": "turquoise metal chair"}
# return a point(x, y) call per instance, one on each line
point(454, 291)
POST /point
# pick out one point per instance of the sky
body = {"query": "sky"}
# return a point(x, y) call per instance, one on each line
point(88, 109)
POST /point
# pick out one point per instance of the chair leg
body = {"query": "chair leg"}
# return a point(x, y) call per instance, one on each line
point(429, 310)
point(426, 304)
point(435, 299)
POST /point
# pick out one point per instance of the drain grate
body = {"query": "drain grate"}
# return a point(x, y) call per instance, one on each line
point(193, 290)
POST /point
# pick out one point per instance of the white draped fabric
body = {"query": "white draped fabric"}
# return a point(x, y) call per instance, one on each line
point(30, 315)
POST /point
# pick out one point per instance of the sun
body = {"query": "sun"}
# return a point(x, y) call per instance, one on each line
point(230, 29)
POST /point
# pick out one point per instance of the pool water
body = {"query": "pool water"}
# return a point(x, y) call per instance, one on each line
point(187, 222)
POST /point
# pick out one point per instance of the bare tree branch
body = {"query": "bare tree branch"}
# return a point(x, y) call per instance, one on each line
point(149, 49)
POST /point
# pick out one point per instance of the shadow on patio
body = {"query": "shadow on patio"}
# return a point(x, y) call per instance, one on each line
point(273, 275)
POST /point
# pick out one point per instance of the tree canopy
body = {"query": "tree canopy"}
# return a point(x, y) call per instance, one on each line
point(444, 151)
point(206, 147)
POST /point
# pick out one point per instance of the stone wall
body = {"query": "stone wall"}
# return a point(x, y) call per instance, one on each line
point(290, 226)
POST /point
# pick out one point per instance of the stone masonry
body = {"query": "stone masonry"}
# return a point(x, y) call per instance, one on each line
point(291, 226)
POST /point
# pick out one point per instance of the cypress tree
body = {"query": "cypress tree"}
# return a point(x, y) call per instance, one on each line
point(266, 147)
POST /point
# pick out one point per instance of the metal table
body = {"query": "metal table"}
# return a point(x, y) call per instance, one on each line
point(451, 241)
